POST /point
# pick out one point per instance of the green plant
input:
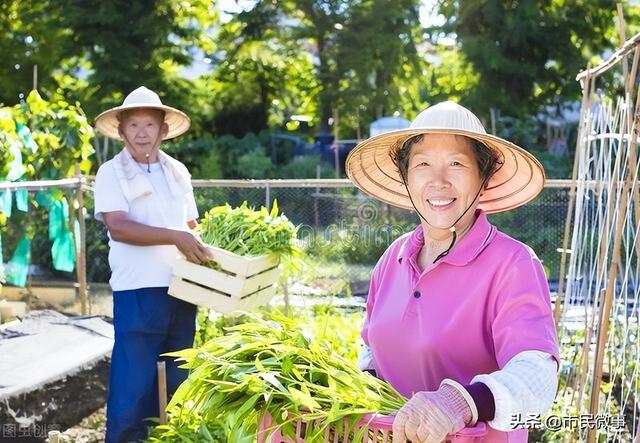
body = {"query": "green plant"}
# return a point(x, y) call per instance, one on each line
point(230, 149)
point(254, 164)
point(555, 167)
point(524, 132)
point(363, 241)
point(276, 366)
point(61, 135)
point(44, 140)
point(245, 231)
point(198, 155)
point(192, 428)
point(305, 167)
point(326, 324)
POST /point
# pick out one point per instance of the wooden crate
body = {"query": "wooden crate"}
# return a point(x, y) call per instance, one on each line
point(244, 283)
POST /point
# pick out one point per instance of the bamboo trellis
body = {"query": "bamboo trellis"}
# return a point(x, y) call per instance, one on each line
point(602, 263)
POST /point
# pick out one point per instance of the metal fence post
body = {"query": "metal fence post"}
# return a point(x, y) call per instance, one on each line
point(267, 197)
point(316, 212)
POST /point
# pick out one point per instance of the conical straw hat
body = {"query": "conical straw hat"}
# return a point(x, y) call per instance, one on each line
point(178, 122)
point(518, 180)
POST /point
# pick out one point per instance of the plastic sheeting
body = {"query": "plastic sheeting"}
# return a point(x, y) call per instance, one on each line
point(16, 168)
point(25, 135)
point(22, 200)
point(62, 252)
point(58, 218)
point(6, 202)
point(48, 346)
point(17, 268)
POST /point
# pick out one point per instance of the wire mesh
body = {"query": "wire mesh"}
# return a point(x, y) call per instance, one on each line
point(338, 224)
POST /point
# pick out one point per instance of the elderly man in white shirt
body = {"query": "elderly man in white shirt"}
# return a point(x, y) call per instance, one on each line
point(145, 199)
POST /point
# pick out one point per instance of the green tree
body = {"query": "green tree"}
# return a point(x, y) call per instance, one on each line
point(305, 167)
point(255, 164)
point(527, 53)
point(96, 52)
point(240, 158)
point(377, 56)
point(360, 51)
point(29, 35)
point(126, 44)
point(362, 45)
point(59, 139)
point(318, 22)
point(449, 77)
point(262, 76)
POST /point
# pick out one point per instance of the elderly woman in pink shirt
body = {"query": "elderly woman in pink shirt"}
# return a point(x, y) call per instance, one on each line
point(459, 316)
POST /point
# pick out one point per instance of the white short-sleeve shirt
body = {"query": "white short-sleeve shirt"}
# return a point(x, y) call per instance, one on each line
point(134, 267)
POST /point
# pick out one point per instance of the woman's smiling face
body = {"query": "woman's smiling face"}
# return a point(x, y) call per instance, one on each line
point(444, 180)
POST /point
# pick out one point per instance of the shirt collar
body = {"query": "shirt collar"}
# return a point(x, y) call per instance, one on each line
point(467, 249)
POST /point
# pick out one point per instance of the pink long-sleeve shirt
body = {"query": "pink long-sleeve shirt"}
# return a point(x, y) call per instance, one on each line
point(468, 314)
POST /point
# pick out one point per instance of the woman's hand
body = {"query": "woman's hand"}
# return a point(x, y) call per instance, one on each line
point(428, 417)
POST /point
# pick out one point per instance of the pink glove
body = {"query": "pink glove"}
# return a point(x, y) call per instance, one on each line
point(429, 416)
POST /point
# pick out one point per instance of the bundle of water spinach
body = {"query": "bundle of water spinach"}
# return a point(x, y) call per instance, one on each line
point(245, 231)
point(274, 367)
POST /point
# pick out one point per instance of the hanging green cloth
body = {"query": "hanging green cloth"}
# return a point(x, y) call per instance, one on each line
point(63, 254)
point(18, 267)
point(45, 198)
point(58, 218)
point(6, 202)
point(63, 249)
point(1, 262)
point(22, 200)
point(16, 168)
point(55, 220)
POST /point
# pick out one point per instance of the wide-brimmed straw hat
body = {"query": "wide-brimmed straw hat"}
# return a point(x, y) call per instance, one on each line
point(519, 178)
point(178, 122)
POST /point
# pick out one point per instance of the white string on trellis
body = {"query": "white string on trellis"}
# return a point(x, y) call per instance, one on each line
point(604, 158)
point(625, 342)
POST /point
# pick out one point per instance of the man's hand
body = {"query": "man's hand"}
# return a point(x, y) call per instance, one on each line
point(428, 417)
point(191, 246)
point(128, 231)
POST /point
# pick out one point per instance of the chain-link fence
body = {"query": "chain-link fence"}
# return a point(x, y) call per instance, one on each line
point(341, 229)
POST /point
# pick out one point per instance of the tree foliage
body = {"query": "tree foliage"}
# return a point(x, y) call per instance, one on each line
point(96, 52)
point(527, 53)
point(261, 76)
point(362, 48)
point(59, 139)
point(377, 55)
point(291, 65)
point(132, 43)
point(314, 57)
point(40, 140)
point(29, 35)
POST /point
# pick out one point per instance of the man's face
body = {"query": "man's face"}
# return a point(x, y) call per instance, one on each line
point(142, 130)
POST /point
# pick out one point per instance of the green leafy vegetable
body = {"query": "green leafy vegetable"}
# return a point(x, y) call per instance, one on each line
point(276, 367)
point(245, 231)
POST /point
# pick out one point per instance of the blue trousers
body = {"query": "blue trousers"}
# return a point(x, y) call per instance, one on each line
point(147, 323)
